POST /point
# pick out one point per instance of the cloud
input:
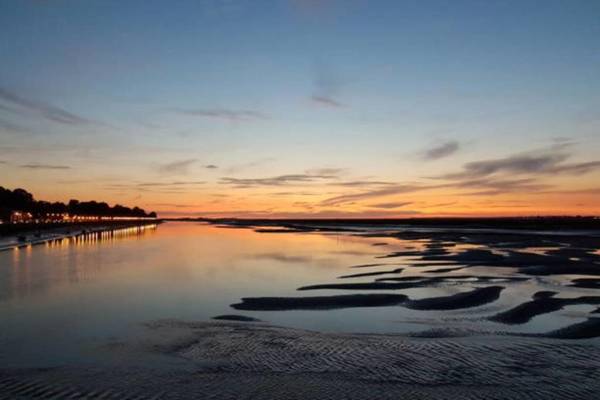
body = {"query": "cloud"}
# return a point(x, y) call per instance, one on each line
point(44, 166)
point(275, 180)
point(391, 205)
point(363, 183)
point(309, 176)
point(48, 111)
point(579, 168)
point(327, 86)
point(294, 193)
point(326, 101)
point(292, 215)
point(493, 187)
point(441, 150)
point(520, 164)
point(175, 183)
point(223, 114)
point(591, 191)
point(174, 187)
point(537, 163)
point(396, 189)
point(330, 176)
point(484, 187)
point(326, 171)
point(252, 164)
point(436, 205)
point(177, 167)
point(211, 166)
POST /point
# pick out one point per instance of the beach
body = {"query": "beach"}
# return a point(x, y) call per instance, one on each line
point(199, 310)
point(259, 361)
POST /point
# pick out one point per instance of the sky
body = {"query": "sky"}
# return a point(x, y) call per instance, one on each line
point(304, 108)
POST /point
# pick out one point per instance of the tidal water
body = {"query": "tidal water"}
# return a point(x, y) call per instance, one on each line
point(65, 301)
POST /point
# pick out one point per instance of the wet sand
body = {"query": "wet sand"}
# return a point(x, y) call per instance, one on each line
point(240, 357)
point(523, 254)
point(260, 361)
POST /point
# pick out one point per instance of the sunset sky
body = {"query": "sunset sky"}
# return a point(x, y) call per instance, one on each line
point(304, 108)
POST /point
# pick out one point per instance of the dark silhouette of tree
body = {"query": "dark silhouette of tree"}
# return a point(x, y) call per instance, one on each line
point(22, 200)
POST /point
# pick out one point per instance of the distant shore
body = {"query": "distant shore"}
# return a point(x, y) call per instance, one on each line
point(513, 223)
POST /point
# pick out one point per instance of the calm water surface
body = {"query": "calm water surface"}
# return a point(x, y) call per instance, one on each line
point(62, 302)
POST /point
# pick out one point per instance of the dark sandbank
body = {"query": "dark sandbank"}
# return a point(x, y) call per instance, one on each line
point(416, 253)
point(539, 305)
point(443, 270)
point(318, 302)
point(544, 294)
point(394, 271)
point(583, 330)
point(366, 286)
point(474, 298)
point(367, 265)
point(233, 317)
point(527, 263)
point(457, 279)
point(588, 283)
point(408, 282)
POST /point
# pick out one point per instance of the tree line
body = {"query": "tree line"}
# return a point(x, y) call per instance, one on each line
point(22, 200)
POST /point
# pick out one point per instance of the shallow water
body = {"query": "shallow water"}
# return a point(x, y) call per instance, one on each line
point(62, 302)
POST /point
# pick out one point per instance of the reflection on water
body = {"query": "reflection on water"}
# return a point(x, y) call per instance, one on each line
point(29, 276)
point(86, 290)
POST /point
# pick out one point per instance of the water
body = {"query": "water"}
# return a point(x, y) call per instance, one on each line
point(63, 302)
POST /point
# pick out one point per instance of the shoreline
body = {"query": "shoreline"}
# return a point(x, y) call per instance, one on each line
point(32, 235)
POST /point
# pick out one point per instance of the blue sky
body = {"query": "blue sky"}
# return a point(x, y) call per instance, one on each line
point(127, 92)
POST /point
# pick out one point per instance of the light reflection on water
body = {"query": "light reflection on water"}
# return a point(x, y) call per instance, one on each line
point(59, 302)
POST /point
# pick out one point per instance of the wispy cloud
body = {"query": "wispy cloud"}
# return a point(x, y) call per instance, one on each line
point(309, 176)
point(327, 85)
point(479, 186)
point(177, 167)
point(493, 187)
point(242, 167)
point(326, 171)
point(535, 163)
point(441, 150)
point(391, 205)
point(590, 191)
point(223, 114)
point(363, 183)
point(327, 213)
point(316, 176)
point(44, 166)
point(47, 111)
point(326, 101)
point(174, 183)
point(371, 194)
point(171, 185)
point(275, 180)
